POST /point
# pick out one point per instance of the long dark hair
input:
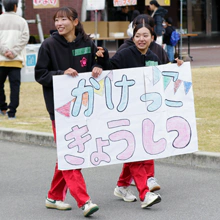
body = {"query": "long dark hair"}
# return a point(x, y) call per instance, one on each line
point(155, 3)
point(71, 14)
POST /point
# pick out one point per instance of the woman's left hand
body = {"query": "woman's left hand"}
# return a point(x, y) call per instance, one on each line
point(96, 72)
point(100, 52)
point(179, 62)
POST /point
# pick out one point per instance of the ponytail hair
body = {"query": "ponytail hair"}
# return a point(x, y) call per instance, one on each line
point(71, 14)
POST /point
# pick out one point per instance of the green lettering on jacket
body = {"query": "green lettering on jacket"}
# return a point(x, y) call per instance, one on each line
point(151, 63)
point(81, 51)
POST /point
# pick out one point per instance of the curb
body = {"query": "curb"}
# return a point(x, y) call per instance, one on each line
point(198, 159)
point(28, 137)
point(202, 159)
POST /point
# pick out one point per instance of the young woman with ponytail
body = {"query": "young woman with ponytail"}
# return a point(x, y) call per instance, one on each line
point(68, 51)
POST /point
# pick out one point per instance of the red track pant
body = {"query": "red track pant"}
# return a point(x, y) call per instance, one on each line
point(68, 179)
point(137, 171)
point(149, 166)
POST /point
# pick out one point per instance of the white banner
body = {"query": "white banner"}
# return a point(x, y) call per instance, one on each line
point(46, 4)
point(124, 115)
point(93, 5)
point(161, 2)
point(119, 3)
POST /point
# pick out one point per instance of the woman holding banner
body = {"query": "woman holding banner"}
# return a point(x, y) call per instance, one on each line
point(68, 51)
point(137, 55)
point(162, 55)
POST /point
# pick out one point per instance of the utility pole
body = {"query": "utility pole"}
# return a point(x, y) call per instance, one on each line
point(23, 8)
point(181, 28)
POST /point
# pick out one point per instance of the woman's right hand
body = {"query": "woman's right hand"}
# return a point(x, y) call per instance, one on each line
point(71, 72)
point(179, 62)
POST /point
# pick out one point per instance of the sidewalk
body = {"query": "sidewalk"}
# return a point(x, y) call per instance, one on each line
point(205, 52)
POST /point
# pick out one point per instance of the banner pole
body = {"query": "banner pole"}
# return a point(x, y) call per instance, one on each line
point(181, 28)
point(96, 26)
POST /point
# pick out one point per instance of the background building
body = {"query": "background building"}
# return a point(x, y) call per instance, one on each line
point(199, 16)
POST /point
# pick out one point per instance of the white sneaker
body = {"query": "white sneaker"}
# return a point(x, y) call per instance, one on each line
point(150, 199)
point(89, 208)
point(152, 184)
point(125, 194)
point(57, 204)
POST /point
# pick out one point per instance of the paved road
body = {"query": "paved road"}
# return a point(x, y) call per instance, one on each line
point(26, 171)
point(204, 56)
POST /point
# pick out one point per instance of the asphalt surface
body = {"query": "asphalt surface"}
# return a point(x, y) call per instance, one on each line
point(203, 56)
point(204, 50)
point(26, 170)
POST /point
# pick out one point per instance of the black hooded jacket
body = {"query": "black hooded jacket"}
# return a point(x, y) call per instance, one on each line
point(154, 47)
point(57, 55)
point(130, 57)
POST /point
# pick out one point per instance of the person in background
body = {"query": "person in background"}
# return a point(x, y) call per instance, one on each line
point(137, 55)
point(13, 39)
point(166, 39)
point(69, 51)
point(32, 40)
point(122, 15)
point(133, 12)
point(158, 14)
